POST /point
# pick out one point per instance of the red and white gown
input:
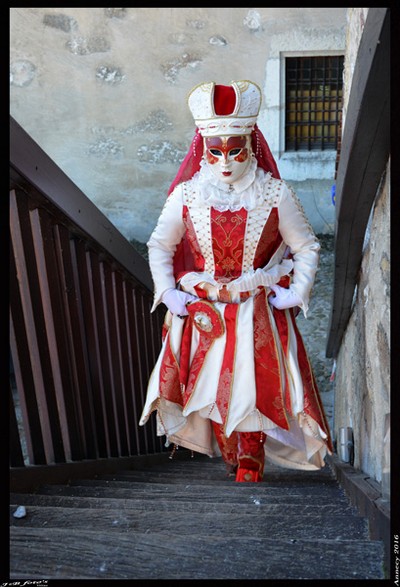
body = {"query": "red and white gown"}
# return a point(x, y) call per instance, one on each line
point(248, 369)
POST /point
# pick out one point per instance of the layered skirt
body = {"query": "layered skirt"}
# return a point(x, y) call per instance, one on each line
point(243, 366)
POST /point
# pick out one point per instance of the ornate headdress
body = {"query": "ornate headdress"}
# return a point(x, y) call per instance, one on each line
point(236, 106)
point(225, 110)
point(221, 110)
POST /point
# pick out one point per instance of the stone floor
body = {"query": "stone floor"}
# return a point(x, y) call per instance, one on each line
point(314, 328)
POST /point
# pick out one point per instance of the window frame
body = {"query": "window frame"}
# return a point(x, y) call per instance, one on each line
point(282, 135)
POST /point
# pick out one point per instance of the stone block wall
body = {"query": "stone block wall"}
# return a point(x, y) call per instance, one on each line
point(103, 92)
point(362, 398)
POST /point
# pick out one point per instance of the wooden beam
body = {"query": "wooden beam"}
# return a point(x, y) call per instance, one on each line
point(364, 156)
point(26, 479)
point(30, 162)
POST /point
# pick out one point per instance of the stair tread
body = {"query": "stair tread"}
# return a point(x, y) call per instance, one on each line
point(41, 552)
point(239, 493)
point(207, 477)
point(144, 522)
point(108, 498)
point(229, 487)
point(199, 469)
point(314, 525)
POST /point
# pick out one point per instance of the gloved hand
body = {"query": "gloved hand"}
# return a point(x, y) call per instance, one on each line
point(284, 298)
point(176, 301)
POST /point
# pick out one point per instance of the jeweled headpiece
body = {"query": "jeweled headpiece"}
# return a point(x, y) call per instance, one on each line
point(225, 110)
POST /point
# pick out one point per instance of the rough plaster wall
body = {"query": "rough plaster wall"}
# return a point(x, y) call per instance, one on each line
point(103, 91)
point(356, 18)
point(363, 365)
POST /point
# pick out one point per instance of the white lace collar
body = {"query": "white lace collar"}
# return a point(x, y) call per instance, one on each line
point(248, 192)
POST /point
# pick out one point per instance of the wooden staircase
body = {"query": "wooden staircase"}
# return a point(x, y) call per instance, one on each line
point(186, 519)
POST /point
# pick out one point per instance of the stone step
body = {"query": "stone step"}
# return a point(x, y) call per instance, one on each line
point(57, 553)
point(314, 525)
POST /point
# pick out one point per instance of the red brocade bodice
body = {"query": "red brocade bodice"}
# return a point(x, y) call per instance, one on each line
point(228, 234)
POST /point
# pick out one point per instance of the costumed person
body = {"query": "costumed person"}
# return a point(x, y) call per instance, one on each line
point(234, 258)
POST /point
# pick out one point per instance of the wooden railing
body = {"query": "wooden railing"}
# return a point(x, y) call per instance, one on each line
point(82, 339)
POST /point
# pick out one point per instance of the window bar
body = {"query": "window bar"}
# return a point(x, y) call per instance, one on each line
point(338, 102)
point(309, 106)
point(298, 98)
point(296, 104)
point(323, 102)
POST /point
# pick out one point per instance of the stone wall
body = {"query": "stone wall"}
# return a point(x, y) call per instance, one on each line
point(103, 92)
point(362, 399)
point(355, 18)
point(362, 386)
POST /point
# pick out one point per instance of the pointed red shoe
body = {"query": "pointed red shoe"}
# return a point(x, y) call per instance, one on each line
point(250, 469)
point(248, 475)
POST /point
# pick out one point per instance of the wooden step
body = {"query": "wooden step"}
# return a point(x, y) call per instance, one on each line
point(187, 520)
point(85, 497)
point(315, 525)
point(229, 487)
point(214, 466)
point(239, 493)
point(57, 553)
point(204, 478)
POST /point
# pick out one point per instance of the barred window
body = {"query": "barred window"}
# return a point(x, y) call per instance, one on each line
point(314, 89)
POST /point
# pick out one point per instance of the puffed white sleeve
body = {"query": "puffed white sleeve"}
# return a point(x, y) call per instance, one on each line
point(163, 243)
point(298, 234)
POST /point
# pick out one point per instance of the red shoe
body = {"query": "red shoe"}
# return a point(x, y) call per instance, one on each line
point(248, 475)
point(250, 469)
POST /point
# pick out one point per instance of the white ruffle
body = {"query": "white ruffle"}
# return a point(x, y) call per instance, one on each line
point(247, 192)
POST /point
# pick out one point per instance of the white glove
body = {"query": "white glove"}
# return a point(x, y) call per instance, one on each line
point(284, 298)
point(262, 276)
point(176, 301)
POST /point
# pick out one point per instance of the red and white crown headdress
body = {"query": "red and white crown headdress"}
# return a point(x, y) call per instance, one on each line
point(225, 110)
